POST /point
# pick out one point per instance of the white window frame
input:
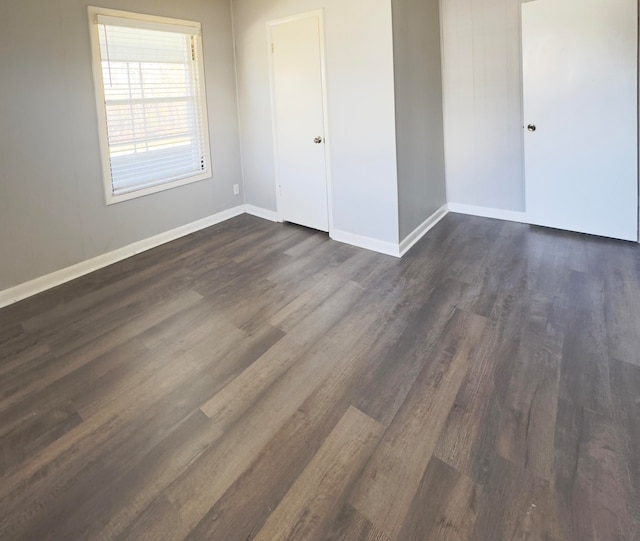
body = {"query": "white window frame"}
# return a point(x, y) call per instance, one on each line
point(139, 20)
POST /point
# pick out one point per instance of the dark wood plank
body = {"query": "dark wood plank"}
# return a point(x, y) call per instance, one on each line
point(387, 485)
point(287, 453)
point(253, 414)
point(625, 389)
point(35, 432)
point(622, 298)
point(590, 477)
point(85, 380)
point(516, 505)
point(67, 362)
point(120, 434)
point(445, 506)
point(313, 501)
point(234, 383)
point(584, 378)
point(527, 429)
point(108, 510)
point(350, 525)
point(243, 391)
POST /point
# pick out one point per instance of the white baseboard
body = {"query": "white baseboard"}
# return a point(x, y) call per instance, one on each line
point(486, 212)
point(368, 243)
point(38, 285)
point(423, 229)
point(261, 213)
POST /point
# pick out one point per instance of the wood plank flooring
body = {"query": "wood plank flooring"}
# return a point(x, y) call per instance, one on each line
point(259, 381)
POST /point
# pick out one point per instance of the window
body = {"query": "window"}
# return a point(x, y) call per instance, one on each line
point(151, 102)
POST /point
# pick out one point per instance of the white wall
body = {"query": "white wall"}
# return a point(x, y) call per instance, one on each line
point(483, 103)
point(359, 55)
point(52, 209)
point(419, 122)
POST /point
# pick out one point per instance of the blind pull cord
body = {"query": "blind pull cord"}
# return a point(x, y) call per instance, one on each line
point(106, 44)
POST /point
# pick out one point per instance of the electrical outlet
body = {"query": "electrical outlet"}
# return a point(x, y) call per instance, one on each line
point(236, 189)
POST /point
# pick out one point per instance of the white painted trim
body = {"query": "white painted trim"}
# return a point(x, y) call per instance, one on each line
point(150, 20)
point(319, 14)
point(368, 243)
point(420, 231)
point(238, 111)
point(486, 212)
point(325, 112)
point(38, 285)
point(261, 213)
point(274, 129)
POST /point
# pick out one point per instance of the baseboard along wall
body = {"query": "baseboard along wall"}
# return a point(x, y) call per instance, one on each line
point(42, 283)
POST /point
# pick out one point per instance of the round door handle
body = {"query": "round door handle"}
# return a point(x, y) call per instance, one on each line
point(318, 140)
point(531, 127)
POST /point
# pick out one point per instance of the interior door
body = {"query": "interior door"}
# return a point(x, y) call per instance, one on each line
point(580, 115)
point(299, 122)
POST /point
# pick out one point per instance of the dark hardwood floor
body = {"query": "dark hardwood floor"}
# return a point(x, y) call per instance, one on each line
point(259, 381)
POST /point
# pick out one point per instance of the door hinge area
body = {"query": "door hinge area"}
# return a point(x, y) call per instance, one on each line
point(273, 48)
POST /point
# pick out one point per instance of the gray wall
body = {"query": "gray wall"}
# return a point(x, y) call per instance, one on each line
point(52, 209)
point(419, 123)
point(483, 103)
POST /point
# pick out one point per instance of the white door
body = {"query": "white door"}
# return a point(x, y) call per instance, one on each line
point(299, 122)
point(580, 97)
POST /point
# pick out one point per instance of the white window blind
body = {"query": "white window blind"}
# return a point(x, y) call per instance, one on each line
point(154, 109)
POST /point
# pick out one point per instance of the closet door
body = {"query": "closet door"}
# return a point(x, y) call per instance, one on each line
point(580, 115)
point(299, 122)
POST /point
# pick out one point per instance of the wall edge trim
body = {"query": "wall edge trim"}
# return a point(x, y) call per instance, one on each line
point(412, 238)
point(368, 243)
point(48, 281)
point(488, 212)
point(263, 213)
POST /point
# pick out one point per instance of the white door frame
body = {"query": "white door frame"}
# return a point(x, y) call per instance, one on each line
point(318, 14)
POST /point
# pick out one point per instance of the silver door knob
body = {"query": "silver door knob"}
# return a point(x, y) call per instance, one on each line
point(531, 127)
point(318, 140)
